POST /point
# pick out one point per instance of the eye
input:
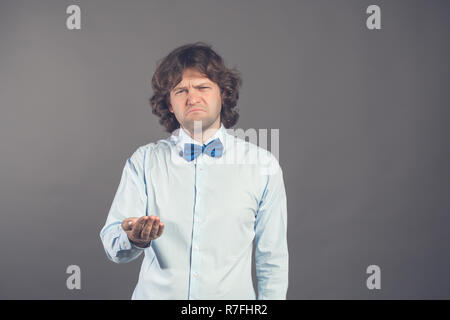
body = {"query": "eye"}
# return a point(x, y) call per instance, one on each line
point(179, 91)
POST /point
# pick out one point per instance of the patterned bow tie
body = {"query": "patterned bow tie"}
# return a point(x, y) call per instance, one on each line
point(213, 149)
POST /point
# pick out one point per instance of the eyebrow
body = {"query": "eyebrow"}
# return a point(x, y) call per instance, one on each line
point(196, 86)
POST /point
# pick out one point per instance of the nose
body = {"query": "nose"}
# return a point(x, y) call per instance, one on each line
point(192, 98)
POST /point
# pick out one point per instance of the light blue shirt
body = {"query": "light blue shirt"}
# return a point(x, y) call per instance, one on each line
point(213, 209)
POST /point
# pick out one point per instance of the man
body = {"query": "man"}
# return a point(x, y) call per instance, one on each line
point(195, 202)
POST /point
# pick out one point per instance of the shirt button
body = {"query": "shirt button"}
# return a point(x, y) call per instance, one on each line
point(195, 274)
point(196, 247)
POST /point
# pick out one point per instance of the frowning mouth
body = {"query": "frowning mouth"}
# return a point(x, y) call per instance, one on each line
point(196, 109)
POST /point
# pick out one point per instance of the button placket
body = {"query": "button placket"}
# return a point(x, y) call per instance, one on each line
point(196, 234)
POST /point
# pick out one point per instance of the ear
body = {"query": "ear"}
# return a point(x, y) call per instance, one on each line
point(169, 105)
point(222, 95)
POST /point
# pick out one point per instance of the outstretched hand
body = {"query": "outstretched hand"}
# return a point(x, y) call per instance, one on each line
point(141, 231)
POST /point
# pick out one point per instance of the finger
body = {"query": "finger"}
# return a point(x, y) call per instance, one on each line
point(155, 228)
point(160, 230)
point(127, 224)
point(137, 228)
point(145, 234)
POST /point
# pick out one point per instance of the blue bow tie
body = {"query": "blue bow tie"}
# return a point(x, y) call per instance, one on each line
point(213, 149)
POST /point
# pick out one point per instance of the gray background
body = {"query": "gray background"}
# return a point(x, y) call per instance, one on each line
point(363, 135)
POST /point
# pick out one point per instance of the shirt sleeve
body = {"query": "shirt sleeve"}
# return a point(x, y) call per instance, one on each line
point(271, 249)
point(130, 201)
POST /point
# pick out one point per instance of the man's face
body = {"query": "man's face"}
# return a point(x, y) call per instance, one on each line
point(196, 98)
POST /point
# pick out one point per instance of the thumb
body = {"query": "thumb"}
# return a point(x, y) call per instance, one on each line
point(128, 223)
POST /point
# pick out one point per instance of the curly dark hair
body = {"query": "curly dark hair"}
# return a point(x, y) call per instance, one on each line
point(201, 57)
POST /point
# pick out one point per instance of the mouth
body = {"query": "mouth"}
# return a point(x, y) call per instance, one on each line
point(196, 109)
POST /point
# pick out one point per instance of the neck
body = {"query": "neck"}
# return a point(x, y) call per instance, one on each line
point(200, 134)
